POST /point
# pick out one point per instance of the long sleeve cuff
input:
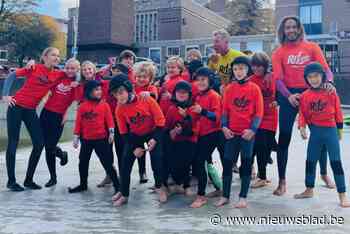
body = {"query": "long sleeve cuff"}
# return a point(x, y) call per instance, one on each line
point(282, 88)
point(255, 124)
point(224, 121)
point(210, 115)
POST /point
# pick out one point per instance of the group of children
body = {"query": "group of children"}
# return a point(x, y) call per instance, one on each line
point(179, 120)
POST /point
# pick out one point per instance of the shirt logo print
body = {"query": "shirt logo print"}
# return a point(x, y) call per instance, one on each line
point(298, 59)
point(241, 102)
point(43, 79)
point(137, 119)
point(90, 115)
point(318, 106)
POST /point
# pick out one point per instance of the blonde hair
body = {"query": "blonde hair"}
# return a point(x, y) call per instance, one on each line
point(89, 63)
point(178, 61)
point(195, 53)
point(46, 52)
point(74, 61)
point(147, 68)
point(222, 33)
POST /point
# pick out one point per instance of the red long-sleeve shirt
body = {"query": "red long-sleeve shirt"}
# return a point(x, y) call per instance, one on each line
point(210, 101)
point(149, 88)
point(241, 104)
point(320, 108)
point(62, 96)
point(268, 90)
point(93, 120)
point(140, 117)
point(174, 118)
point(290, 59)
point(39, 81)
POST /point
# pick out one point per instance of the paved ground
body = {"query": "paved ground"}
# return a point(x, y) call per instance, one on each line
point(55, 211)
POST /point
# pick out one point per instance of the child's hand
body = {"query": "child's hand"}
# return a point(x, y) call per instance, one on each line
point(228, 133)
point(151, 144)
point(294, 99)
point(273, 104)
point(139, 152)
point(248, 134)
point(9, 100)
point(30, 64)
point(329, 87)
point(145, 95)
point(111, 138)
point(74, 84)
point(196, 108)
point(340, 134)
point(303, 133)
point(76, 142)
point(182, 112)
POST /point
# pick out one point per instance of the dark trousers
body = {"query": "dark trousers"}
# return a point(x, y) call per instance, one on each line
point(15, 116)
point(119, 149)
point(177, 161)
point(129, 159)
point(319, 137)
point(51, 124)
point(287, 115)
point(205, 148)
point(264, 141)
point(233, 147)
point(105, 155)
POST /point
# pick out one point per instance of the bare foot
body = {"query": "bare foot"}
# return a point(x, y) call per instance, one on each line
point(308, 193)
point(242, 203)
point(216, 193)
point(163, 195)
point(344, 202)
point(106, 181)
point(260, 183)
point(281, 189)
point(254, 175)
point(121, 201)
point(199, 202)
point(222, 201)
point(328, 182)
point(116, 196)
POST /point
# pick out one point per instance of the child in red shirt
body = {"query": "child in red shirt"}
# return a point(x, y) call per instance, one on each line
point(53, 117)
point(208, 105)
point(128, 58)
point(94, 127)
point(242, 113)
point(140, 122)
point(22, 107)
point(175, 67)
point(182, 127)
point(321, 111)
point(265, 136)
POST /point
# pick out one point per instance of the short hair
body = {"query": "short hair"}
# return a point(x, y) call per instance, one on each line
point(74, 61)
point(261, 59)
point(280, 33)
point(145, 68)
point(127, 54)
point(222, 33)
point(196, 53)
point(178, 60)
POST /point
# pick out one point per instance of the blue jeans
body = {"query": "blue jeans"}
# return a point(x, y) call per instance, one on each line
point(324, 136)
point(233, 147)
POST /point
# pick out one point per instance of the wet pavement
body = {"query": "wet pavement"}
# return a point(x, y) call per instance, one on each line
point(55, 211)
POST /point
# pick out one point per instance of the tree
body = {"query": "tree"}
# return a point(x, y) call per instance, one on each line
point(27, 38)
point(249, 17)
point(9, 8)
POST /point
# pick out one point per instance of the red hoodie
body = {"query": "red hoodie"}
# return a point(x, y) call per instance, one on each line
point(139, 117)
point(268, 90)
point(210, 101)
point(241, 104)
point(174, 118)
point(149, 88)
point(93, 120)
point(320, 108)
point(39, 81)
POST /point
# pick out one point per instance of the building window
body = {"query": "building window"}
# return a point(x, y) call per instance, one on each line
point(155, 55)
point(3, 55)
point(311, 18)
point(173, 51)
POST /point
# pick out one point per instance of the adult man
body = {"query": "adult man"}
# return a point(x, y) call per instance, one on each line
point(289, 61)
